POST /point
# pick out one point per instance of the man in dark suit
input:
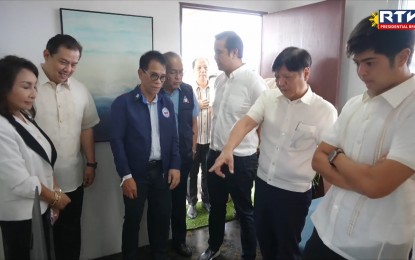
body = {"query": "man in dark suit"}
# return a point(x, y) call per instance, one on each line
point(145, 146)
point(186, 111)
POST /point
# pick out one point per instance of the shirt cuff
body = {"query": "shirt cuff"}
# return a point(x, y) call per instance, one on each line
point(126, 177)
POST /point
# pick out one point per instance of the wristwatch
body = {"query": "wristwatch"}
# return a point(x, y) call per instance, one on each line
point(333, 154)
point(92, 165)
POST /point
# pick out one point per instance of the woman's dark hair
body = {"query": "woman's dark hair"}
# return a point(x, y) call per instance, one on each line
point(10, 66)
point(386, 42)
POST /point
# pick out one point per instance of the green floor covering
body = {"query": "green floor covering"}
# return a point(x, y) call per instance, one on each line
point(203, 217)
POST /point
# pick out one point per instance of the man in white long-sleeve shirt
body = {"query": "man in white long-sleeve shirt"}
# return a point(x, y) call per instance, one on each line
point(236, 91)
point(291, 127)
point(368, 156)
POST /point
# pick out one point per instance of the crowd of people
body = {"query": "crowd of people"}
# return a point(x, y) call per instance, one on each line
point(237, 132)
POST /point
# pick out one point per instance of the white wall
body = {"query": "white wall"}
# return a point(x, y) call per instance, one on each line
point(350, 84)
point(25, 27)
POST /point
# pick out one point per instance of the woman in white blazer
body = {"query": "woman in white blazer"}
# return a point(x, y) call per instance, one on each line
point(27, 157)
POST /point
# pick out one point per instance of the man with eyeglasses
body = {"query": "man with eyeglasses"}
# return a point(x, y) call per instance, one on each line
point(145, 146)
point(186, 111)
point(67, 113)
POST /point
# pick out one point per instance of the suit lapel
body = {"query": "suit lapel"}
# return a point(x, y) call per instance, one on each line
point(31, 141)
point(54, 154)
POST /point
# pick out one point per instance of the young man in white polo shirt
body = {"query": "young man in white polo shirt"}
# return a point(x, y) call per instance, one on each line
point(368, 156)
point(291, 127)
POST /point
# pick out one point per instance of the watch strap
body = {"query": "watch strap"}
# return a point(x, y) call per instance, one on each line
point(92, 165)
point(335, 153)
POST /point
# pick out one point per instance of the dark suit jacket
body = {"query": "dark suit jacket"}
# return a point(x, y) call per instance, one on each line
point(185, 121)
point(131, 134)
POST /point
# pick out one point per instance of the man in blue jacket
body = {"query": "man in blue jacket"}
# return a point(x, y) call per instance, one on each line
point(145, 146)
point(186, 111)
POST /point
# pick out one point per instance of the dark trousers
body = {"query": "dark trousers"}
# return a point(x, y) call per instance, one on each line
point(67, 229)
point(156, 191)
point(200, 160)
point(279, 219)
point(178, 212)
point(315, 249)
point(17, 237)
point(238, 185)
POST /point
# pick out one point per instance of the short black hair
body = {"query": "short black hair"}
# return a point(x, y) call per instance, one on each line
point(387, 42)
point(147, 57)
point(64, 40)
point(293, 58)
point(168, 56)
point(232, 41)
point(10, 66)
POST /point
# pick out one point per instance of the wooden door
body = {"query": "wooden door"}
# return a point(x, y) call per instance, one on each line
point(318, 28)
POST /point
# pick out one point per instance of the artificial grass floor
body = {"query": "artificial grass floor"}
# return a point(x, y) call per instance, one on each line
point(202, 218)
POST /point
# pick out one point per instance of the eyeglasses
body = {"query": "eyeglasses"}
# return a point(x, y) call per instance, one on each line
point(154, 76)
point(176, 72)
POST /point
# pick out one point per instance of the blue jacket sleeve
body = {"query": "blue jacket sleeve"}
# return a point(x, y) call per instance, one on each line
point(196, 106)
point(118, 117)
point(175, 161)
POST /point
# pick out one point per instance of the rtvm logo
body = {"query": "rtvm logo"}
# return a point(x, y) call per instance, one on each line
point(394, 19)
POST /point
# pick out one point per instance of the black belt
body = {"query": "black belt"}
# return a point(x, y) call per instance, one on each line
point(217, 153)
point(153, 164)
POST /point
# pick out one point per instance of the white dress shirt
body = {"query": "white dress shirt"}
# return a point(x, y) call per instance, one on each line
point(290, 133)
point(63, 111)
point(234, 96)
point(353, 225)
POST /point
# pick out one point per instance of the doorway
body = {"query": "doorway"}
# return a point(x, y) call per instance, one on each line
point(200, 24)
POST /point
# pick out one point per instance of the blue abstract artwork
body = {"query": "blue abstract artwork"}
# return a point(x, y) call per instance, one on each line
point(112, 46)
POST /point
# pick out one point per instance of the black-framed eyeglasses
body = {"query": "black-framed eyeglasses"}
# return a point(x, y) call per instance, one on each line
point(154, 76)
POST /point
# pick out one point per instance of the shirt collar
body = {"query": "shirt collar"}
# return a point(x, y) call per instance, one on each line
point(139, 95)
point(43, 79)
point(198, 87)
point(155, 100)
point(395, 95)
point(173, 92)
point(239, 70)
point(307, 98)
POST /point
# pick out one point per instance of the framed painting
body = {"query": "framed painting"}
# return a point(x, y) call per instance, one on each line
point(112, 46)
